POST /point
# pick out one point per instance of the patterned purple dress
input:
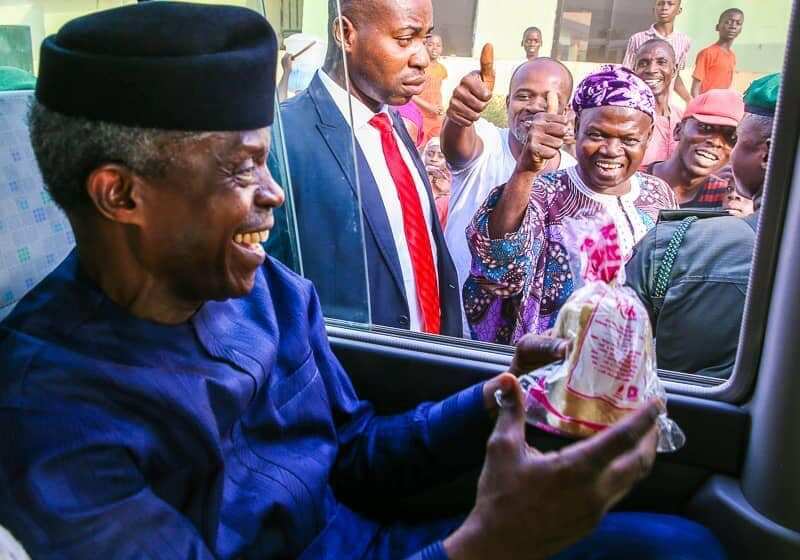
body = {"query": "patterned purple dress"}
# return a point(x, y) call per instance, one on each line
point(517, 284)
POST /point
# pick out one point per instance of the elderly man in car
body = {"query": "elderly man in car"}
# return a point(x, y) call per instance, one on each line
point(169, 392)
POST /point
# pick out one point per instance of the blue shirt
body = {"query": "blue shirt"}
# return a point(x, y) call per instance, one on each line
point(236, 434)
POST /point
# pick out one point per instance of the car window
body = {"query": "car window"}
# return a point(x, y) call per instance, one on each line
point(386, 244)
point(337, 266)
point(320, 229)
point(583, 36)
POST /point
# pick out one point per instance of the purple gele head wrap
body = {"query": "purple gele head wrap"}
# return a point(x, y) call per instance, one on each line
point(614, 86)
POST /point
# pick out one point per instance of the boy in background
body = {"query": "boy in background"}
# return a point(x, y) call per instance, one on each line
point(430, 100)
point(716, 64)
point(532, 42)
point(666, 11)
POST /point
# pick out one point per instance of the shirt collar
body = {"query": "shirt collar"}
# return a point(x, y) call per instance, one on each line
point(605, 199)
point(361, 113)
point(652, 31)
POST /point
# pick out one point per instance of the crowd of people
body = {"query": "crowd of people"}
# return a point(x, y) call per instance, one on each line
point(477, 249)
point(169, 307)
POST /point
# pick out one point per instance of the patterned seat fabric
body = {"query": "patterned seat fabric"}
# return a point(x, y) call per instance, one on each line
point(35, 235)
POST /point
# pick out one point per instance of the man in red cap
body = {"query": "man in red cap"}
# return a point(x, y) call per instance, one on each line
point(706, 136)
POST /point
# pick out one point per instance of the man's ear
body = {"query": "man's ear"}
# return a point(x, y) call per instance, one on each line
point(344, 33)
point(765, 157)
point(508, 100)
point(676, 134)
point(114, 190)
point(650, 133)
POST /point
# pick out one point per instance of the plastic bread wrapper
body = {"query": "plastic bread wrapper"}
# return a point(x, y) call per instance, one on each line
point(611, 368)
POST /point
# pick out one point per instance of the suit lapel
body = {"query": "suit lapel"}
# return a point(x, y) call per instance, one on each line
point(336, 132)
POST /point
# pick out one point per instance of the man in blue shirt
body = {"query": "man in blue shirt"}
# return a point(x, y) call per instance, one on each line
point(169, 391)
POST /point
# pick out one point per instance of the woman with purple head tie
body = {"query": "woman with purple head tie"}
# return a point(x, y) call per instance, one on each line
point(521, 275)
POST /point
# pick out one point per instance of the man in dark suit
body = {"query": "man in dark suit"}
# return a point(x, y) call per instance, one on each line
point(377, 206)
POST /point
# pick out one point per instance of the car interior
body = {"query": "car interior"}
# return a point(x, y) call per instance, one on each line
point(736, 474)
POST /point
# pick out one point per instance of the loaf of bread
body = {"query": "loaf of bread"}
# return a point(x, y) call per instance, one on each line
point(611, 368)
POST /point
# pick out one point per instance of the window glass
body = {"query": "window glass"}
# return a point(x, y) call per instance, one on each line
point(455, 20)
point(592, 31)
point(319, 231)
point(335, 263)
point(25, 23)
point(509, 297)
point(377, 215)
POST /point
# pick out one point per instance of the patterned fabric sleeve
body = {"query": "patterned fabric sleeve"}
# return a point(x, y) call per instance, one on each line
point(502, 265)
point(501, 270)
point(656, 195)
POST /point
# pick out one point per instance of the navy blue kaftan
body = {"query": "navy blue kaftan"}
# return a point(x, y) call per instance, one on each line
point(226, 436)
point(221, 437)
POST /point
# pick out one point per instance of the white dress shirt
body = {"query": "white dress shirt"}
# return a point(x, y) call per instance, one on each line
point(369, 140)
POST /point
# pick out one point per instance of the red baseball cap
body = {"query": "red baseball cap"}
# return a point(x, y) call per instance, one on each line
point(723, 107)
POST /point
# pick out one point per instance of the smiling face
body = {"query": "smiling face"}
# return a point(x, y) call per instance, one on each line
point(205, 218)
point(667, 10)
point(610, 146)
point(435, 47)
point(387, 52)
point(703, 148)
point(730, 25)
point(532, 42)
point(655, 64)
point(528, 93)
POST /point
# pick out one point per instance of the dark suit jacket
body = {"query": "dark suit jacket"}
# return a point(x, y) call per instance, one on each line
point(324, 193)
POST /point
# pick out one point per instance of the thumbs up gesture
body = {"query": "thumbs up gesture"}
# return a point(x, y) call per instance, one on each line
point(474, 92)
point(544, 136)
point(488, 74)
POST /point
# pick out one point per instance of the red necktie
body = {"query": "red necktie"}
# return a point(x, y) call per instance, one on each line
point(414, 226)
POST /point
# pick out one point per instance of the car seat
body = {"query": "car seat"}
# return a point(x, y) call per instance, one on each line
point(35, 235)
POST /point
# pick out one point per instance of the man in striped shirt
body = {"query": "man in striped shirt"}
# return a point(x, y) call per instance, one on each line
point(706, 136)
point(666, 11)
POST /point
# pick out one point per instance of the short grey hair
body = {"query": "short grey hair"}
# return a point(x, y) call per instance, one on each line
point(69, 148)
point(764, 123)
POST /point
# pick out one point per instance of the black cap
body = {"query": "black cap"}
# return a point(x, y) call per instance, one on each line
point(167, 65)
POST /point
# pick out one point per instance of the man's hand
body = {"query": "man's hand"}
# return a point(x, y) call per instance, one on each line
point(460, 142)
point(532, 352)
point(469, 100)
point(545, 138)
point(287, 63)
point(535, 351)
point(434, 171)
point(531, 505)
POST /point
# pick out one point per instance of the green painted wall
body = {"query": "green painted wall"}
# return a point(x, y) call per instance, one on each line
point(46, 18)
point(502, 24)
point(760, 47)
point(315, 18)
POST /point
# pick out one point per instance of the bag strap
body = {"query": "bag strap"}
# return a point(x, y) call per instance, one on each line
point(663, 277)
